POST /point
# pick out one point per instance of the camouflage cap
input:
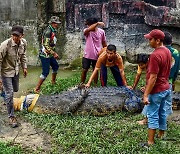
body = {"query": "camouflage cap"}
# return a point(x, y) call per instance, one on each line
point(54, 19)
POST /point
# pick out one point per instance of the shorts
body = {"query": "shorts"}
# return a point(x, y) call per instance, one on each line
point(169, 110)
point(156, 110)
point(86, 63)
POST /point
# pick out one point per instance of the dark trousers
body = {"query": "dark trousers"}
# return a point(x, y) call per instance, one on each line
point(10, 85)
point(116, 74)
point(46, 63)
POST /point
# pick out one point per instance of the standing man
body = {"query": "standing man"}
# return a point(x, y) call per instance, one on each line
point(95, 40)
point(48, 53)
point(157, 90)
point(175, 65)
point(109, 58)
point(175, 59)
point(12, 56)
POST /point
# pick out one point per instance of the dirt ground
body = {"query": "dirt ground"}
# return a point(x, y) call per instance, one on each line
point(25, 135)
point(32, 138)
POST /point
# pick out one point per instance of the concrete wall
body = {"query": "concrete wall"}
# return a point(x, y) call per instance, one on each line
point(21, 12)
point(126, 21)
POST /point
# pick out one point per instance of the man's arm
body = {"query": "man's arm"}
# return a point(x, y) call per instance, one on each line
point(92, 27)
point(123, 77)
point(3, 50)
point(151, 82)
point(23, 58)
point(121, 69)
point(48, 49)
point(104, 44)
point(46, 44)
point(138, 75)
point(92, 77)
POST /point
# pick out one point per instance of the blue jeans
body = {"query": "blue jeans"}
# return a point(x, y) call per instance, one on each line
point(156, 110)
point(10, 85)
point(116, 74)
point(46, 63)
point(169, 110)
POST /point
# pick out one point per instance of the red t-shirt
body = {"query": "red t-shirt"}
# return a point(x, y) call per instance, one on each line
point(160, 64)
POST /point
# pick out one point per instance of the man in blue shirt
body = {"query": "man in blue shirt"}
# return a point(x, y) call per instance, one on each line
point(175, 59)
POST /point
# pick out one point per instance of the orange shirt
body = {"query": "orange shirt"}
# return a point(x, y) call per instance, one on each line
point(139, 71)
point(103, 60)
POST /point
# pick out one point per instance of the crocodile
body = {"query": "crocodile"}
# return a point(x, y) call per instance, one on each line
point(97, 101)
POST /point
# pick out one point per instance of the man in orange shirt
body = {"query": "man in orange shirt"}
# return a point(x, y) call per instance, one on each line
point(109, 58)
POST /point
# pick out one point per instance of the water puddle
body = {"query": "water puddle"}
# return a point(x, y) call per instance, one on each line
point(28, 83)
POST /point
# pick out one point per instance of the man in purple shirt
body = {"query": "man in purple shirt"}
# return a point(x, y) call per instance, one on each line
point(95, 41)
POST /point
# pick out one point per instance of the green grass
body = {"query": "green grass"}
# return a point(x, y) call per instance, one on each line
point(8, 148)
point(116, 133)
point(64, 84)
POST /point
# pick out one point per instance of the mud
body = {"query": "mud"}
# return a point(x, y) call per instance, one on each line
point(25, 135)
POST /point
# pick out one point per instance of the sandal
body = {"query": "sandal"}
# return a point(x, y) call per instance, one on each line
point(145, 145)
point(13, 122)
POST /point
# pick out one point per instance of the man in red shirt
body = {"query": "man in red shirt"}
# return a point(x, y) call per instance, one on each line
point(157, 90)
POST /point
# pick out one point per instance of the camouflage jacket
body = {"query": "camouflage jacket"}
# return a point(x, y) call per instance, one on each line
point(48, 42)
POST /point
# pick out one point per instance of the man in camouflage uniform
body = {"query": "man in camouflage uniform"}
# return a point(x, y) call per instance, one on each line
point(47, 52)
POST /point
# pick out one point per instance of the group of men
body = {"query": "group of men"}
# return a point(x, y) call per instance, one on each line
point(157, 92)
point(100, 55)
point(13, 55)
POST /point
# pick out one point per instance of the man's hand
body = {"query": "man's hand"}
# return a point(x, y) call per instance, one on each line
point(25, 72)
point(55, 55)
point(145, 100)
point(142, 89)
point(87, 85)
point(130, 87)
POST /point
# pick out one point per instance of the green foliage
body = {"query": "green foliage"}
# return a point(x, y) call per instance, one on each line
point(7, 148)
point(64, 84)
point(61, 84)
point(115, 133)
point(76, 64)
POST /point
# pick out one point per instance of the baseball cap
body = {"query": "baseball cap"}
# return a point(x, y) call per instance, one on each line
point(54, 19)
point(156, 33)
point(17, 30)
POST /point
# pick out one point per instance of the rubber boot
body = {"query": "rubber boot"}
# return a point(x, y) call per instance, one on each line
point(53, 81)
point(37, 89)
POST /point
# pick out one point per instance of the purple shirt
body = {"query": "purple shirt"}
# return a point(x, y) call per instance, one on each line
point(94, 43)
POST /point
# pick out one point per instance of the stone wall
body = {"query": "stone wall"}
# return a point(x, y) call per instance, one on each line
point(22, 12)
point(126, 21)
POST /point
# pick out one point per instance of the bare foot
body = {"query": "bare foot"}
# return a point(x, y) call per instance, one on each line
point(142, 122)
